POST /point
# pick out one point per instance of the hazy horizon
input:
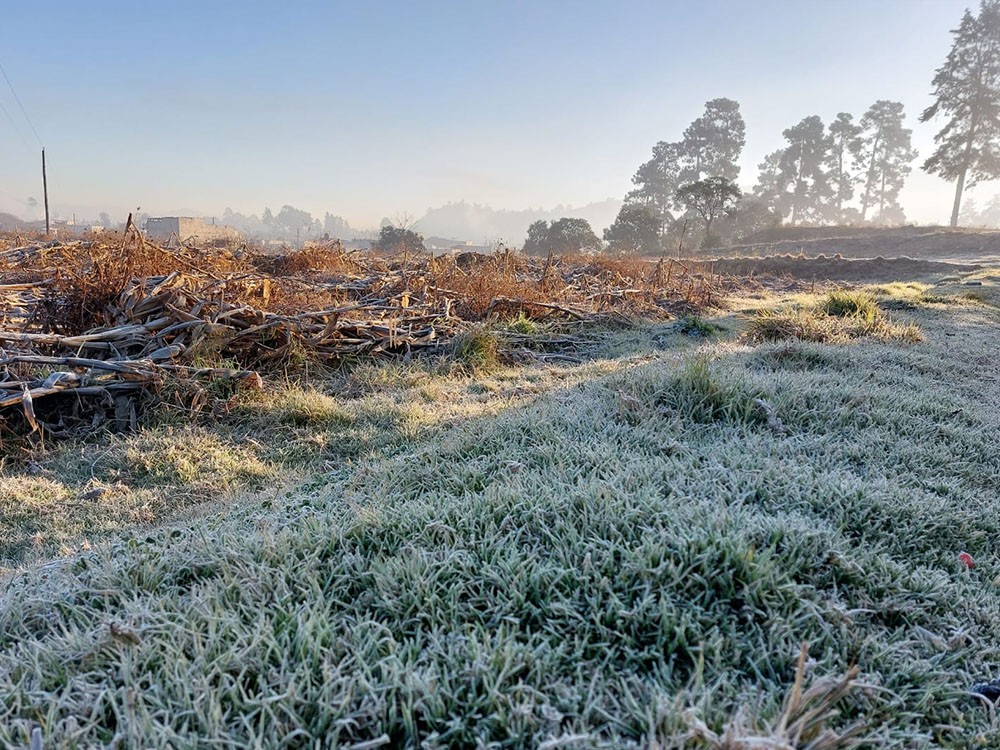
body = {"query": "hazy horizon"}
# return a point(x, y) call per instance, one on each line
point(376, 110)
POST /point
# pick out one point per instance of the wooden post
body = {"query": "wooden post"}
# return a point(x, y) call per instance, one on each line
point(45, 190)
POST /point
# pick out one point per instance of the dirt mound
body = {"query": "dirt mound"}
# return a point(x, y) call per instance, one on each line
point(927, 243)
point(822, 268)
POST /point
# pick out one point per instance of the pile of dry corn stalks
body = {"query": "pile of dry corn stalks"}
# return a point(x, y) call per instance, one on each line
point(89, 326)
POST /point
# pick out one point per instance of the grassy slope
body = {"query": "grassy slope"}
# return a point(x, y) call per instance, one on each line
point(577, 569)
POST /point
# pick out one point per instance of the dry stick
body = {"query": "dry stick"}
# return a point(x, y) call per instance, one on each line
point(124, 367)
point(546, 305)
point(86, 390)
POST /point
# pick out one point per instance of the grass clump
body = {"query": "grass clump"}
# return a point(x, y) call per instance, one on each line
point(701, 393)
point(194, 458)
point(800, 324)
point(796, 355)
point(845, 304)
point(306, 407)
point(839, 318)
point(522, 324)
point(477, 349)
point(694, 326)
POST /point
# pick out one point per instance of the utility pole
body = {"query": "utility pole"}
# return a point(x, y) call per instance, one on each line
point(45, 190)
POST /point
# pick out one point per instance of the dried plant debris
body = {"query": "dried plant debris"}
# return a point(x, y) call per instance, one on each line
point(91, 328)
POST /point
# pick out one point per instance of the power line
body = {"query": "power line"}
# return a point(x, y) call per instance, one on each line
point(13, 124)
point(23, 111)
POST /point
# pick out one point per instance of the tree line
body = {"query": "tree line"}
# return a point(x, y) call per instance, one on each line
point(289, 224)
point(847, 171)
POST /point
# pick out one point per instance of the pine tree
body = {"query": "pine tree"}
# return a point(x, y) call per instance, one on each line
point(844, 147)
point(772, 185)
point(967, 92)
point(793, 180)
point(713, 143)
point(711, 147)
point(657, 181)
point(884, 157)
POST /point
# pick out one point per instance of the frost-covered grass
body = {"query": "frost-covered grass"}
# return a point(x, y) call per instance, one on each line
point(622, 554)
point(70, 494)
point(837, 318)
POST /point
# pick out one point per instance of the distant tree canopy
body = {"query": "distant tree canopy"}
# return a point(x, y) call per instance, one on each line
point(884, 155)
point(293, 219)
point(289, 225)
point(566, 235)
point(713, 143)
point(796, 180)
point(844, 147)
point(538, 235)
point(710, 199)
point(967, 93)
point(987, 216)
point(749, 218)
point(710, 147)
point(392, 239)
point(335, 226)
point(814, 177)
point(637, 229)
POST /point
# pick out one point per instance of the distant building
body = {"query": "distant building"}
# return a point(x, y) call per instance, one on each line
point(187, 229)
point(357, 244)
point(439, 244)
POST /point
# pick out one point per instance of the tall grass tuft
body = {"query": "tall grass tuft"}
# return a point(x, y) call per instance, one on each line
point(701, 393)
point(477, 349)
point(841, 317)
point(845, 304)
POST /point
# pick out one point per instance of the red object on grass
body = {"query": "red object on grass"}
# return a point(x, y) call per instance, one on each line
point(966, 558)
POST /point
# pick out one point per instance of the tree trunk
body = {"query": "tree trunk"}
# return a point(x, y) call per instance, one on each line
point(868, 177)
point(881, 200)
point(795, 190)
point(840, 182)
point(959, 187)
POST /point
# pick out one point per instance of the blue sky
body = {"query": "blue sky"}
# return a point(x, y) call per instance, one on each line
point(370, 109)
